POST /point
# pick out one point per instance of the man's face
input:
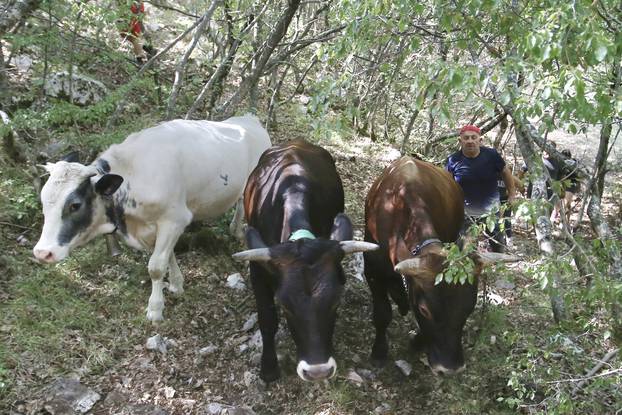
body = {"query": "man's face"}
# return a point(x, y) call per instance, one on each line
point(469, 143)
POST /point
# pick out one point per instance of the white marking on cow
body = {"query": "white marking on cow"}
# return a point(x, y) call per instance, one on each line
point(321, 371)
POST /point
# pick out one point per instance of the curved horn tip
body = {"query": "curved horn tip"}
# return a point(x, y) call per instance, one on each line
point(407, 265)
point(350, 247)
point(259, 254)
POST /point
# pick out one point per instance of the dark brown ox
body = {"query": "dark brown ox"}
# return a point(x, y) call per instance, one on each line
point(298, 236)
point(410, 210)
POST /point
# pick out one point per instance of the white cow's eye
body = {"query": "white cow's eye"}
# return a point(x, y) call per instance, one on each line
point(74, 207)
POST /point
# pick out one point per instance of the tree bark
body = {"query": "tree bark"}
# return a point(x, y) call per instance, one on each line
point(599, 224)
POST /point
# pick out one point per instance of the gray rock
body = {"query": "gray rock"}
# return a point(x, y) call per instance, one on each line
point(236, 281)
point(354, 377)
point(157, 343)
point(366, 373)
point(204, 351)
point(23, 63)
point(250, 323)
point(68, 397)
point(84, 90)
point(238, 410)
point(404, 367)
point(385, 408)
point(214, 408)
point(255, 342)
point(504, 285)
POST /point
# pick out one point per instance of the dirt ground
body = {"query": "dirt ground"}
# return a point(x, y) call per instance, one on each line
point(206, 360)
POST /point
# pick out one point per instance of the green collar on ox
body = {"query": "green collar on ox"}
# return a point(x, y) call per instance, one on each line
point(301, 233)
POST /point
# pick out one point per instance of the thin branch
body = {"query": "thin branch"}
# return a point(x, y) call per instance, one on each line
point(183, 62)
point(15, 225)
point(171, 8)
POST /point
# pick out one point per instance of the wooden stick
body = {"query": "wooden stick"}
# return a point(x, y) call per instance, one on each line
point(595, 369)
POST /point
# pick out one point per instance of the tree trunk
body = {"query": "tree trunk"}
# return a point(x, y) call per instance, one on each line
point(599, 224)
point(543, 226)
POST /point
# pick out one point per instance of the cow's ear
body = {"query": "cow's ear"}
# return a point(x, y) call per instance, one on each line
point(342, 228)
point(73, 157)
point(253, 239)
point(108, 184)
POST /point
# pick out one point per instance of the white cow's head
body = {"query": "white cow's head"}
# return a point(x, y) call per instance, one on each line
point(73, 208)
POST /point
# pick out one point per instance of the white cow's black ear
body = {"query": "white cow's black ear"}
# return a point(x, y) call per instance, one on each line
point(108, 184)
point(342, 228)
point(253, 239)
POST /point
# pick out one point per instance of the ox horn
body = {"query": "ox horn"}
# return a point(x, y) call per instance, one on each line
point(258, 254)
point(493, 257)
point(350, 247)
point(411, 264)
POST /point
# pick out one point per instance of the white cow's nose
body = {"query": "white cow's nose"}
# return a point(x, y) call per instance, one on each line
point(44, 255)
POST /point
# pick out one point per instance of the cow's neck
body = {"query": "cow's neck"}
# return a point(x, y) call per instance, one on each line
point(418, 236)
point(114, 206)
point(295, 214)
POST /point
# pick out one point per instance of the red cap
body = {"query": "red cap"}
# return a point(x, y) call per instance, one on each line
point(473, 128)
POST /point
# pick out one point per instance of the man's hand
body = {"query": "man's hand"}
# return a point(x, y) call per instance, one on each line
point(508, 179)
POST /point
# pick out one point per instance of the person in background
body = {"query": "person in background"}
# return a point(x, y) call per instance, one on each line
point(476, 169)
point(570, 178)
point(134, 32)
point(554, 172)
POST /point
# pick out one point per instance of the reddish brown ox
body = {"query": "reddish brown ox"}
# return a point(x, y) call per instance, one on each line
point(298, 236)
point(410, 210)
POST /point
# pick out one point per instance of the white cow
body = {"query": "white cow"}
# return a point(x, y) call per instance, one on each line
point(148, 189)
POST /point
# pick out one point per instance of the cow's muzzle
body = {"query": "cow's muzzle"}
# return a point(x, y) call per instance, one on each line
point(316, 372)
point(44, 256)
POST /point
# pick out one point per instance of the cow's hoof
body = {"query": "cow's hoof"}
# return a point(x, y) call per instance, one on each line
point(177, 290)
point(379, 362)
point(269, 375)
point(417, 344)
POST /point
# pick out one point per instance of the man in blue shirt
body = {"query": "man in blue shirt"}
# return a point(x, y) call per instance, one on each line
point(476, 169)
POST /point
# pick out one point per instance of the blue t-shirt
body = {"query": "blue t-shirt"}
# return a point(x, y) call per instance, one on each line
point(478, 178)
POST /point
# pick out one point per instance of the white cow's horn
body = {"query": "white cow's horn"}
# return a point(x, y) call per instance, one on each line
point(350, 247)
point(89, 171)
point(259, 254)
